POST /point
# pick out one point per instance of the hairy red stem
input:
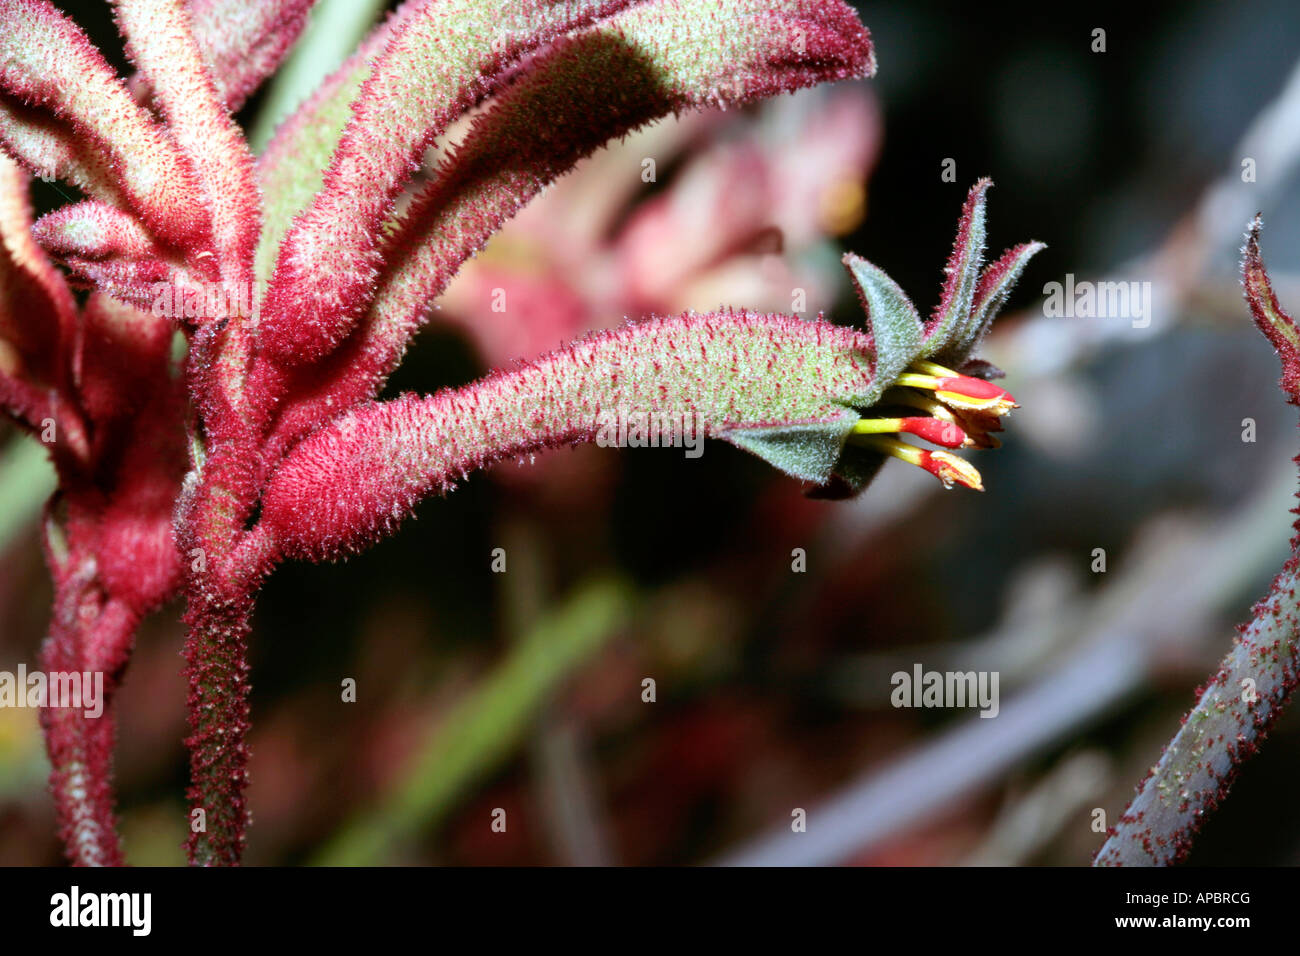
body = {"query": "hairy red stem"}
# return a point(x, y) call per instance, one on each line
point(219, 614)
point(89, 633)
point(216, 670)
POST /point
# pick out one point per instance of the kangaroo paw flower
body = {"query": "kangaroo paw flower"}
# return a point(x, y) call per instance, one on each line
point(916, 364)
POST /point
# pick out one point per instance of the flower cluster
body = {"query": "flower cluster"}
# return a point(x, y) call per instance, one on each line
point(199, 446)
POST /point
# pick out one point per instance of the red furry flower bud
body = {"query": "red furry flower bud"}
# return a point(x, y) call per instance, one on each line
point(646, 61)
point(779, 387)
point(47, 60)
point(441, 57)
point(243, 41)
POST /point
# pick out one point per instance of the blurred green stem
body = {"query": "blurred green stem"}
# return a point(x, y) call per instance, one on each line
point(26, 482)
point(333, 32)
point(483, 729)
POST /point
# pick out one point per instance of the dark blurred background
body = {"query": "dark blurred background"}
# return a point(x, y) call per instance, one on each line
point(524, 690)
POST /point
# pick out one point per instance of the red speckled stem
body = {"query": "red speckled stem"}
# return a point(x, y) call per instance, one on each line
point(1232, 715)
point(222, 595)
point(216, 668)
point(1254, 682)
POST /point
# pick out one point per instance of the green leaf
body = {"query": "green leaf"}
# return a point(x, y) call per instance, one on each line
point(808, 452)
point(485, 727)
point(894, 324)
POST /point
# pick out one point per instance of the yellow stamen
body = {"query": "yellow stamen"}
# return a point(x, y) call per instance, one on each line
point(914, 399)
point(877, 426)
point(898, 449)
point(916, 380)
point(945, 466)
point(932, 368)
